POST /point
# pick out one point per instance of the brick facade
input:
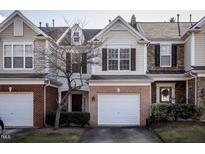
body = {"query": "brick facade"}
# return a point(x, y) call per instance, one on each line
point(38, 94)
point(151, 60)
point(51, 98)
point(180, 91)
point(200, 93)
point(191, 91)
point(144, 92)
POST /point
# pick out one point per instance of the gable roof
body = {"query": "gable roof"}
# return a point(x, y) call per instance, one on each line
point(199, 23)
point(6, 23)
point(57, 32)
point(130, 28)
point(163, 31)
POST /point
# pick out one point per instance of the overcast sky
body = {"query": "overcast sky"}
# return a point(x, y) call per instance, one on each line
point(99, 19)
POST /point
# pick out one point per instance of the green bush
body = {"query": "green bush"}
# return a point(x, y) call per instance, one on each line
point(161, 111)
point(67, 118)
point(165, 111)
point(197, 112)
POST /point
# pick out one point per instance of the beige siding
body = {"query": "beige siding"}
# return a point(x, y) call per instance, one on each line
point(119, 36)
point(200, 47)
point(187, 55)
point(29, 36)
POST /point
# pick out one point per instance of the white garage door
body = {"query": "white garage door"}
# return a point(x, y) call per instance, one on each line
point(16, 109)
point(118, 109)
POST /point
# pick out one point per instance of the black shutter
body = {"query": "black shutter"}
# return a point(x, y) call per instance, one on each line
point(84, 63)
point(68, 62)
point(174, 55)
point(104, 59)
point(157, 55)
point(133, 59)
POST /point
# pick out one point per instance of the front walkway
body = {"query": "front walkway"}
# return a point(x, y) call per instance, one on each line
point(119, 135)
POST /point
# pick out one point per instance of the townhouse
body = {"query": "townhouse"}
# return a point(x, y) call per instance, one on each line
point(153, 62)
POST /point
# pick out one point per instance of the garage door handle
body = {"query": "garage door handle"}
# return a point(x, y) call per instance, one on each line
point(11, 113)
point(118, 112)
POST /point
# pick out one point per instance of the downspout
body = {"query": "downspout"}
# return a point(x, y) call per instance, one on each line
point(196, 87)
point(44, 101)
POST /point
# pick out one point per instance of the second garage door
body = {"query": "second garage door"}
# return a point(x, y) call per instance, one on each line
point(118, 109)
point(16, 109)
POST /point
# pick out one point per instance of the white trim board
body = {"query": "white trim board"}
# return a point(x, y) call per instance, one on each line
point(7, 22)
point(130, 29)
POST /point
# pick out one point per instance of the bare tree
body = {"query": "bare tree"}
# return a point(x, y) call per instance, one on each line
point(58, 59)
point(172, 20)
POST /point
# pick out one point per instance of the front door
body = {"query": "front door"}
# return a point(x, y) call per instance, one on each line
point(76, 102)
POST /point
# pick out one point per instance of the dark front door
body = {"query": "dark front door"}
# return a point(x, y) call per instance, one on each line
point(76, 102)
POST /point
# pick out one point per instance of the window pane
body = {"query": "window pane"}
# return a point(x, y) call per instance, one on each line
point(7, 51)
point(76, 39)
point(28, 51)
point(76, 68)
point(165, 61)
point(18, 50)
point(124, 64)
point(165, 49)
point(124, 54)
point(29, 62)
point(113, 53)
point(113, 64)
point(76, 34)
point(165, 94)
point(18, 62)
point(7, 62)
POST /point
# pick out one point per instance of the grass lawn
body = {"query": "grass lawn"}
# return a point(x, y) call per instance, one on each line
point(181, 132)
point(69, 135)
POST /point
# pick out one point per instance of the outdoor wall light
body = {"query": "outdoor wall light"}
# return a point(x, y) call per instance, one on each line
point(93, 98)
point(10, 89)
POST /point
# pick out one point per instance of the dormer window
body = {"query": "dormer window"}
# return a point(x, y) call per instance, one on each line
point(76, 37)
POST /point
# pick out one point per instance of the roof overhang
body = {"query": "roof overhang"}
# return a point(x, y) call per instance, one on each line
point(130, 29)
point(8, 21)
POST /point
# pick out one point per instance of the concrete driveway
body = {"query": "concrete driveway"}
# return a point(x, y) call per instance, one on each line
point(119, 135)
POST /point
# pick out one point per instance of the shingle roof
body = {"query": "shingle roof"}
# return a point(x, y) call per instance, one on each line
point(166, 31)
point(154, 31)
point(119, 77)
point(54, 32)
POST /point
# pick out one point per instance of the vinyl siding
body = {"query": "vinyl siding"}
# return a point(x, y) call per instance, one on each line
point(118, 37)
point(200, 47)
point(187, 55)
point(29, 36)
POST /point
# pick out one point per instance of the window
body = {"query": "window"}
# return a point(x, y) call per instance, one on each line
point(18, 56)
point(76, 63)
point(165, 55)
point(119, 59)
point(76, 37)
point(165, 94)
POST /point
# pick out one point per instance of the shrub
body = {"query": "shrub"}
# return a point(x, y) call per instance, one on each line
point(67, 118)
point(197, 112)
point(166, 111)
point(161, 111)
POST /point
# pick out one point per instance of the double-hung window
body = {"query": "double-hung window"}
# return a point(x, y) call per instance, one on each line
point(76, 37)
point(18, 56)
point(165, 55)
point(118, 59)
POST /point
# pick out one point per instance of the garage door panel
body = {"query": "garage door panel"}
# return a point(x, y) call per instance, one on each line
point(16, 109)
point(118, 109)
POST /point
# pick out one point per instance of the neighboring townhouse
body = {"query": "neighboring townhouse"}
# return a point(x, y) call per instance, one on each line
point(154, 62)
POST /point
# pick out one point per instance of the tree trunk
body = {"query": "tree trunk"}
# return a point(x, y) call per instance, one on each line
point(57, 120)
point(58, 111)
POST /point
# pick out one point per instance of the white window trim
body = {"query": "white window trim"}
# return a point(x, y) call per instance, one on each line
point(166, 55)
point(118, 59)
point(18, 43)
point(161, 85)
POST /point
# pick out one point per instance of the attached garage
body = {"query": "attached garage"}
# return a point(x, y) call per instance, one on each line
point(16, 109)
point(119, 109)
